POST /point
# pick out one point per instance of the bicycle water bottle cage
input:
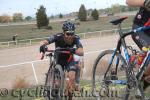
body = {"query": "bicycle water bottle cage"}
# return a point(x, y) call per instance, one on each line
point(118, 21)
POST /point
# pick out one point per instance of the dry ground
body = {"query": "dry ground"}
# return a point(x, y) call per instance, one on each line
point(30, 53)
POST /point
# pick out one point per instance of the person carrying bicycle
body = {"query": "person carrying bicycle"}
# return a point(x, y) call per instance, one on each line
point(66, 39)
point(142, 40)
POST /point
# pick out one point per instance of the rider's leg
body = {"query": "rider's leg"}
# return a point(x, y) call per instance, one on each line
point(77, 80)
point(77, 77)
point(147, 75)
point(78, 66)
point(71, 83)
point(71, 75)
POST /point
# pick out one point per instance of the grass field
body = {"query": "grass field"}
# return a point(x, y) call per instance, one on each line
point(31, 31)
point(35, 95)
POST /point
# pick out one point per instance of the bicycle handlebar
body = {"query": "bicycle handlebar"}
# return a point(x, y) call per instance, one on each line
point(65, 52)
point(141, 29)
point(44, 49)
point(62, 50)
point(137, 30)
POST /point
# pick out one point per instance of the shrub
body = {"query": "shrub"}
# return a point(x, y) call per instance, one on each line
point(20, 83)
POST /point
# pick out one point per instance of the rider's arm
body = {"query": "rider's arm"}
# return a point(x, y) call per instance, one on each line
point(44, 42)
point(79, 50)
point(49, 40)
point(139, 3)
point(43, 46)
point(136, 3)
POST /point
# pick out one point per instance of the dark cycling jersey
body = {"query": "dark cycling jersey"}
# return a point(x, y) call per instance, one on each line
point(142, 18)
point(58, 39)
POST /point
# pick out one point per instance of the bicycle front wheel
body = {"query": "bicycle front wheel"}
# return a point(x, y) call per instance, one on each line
point(49, 83)
point(109, 76)
point(54, 83)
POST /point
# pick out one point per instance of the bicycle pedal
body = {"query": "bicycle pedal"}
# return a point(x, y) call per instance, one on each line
point(114, 77)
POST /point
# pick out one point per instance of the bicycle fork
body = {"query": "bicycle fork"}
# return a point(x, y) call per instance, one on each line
point(110, 63)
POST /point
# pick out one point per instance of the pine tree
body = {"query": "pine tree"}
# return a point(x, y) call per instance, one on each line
point(60, 15)
point(82, 15)
point(41, 17)
point(95, 14)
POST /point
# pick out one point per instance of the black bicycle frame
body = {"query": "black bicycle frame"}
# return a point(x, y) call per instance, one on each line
point(121, 42)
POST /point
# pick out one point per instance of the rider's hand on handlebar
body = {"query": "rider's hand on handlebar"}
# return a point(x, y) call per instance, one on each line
point(43, 49)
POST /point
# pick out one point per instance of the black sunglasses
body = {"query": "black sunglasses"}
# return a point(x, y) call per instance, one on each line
point(69, 33)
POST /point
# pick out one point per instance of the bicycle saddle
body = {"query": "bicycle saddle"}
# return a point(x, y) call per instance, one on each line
point(117, 21)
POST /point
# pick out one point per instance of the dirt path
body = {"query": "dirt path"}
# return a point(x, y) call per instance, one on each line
point(30, 53)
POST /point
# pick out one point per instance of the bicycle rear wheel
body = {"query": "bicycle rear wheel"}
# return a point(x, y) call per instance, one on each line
point(109, 76)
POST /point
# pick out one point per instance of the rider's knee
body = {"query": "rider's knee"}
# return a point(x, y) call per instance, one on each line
point(71, 75)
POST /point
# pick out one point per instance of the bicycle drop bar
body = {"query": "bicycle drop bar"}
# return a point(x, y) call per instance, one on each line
point(62, 50)
point(137, 30)
point(141, 29)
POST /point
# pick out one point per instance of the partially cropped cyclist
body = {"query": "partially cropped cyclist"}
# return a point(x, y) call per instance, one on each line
point(142, 39)
point(67, 39)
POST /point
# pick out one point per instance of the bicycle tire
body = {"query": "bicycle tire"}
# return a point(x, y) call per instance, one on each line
point(55, 74)
point(59, 76)
point(121, 67)
point(49, 83)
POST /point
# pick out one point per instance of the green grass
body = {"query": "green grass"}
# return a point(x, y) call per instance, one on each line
point(30, 31)
point(25, 32)
point(84, 83)
point(17, 98)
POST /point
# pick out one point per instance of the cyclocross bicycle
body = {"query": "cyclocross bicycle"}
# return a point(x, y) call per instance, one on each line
point(112, 71)
point(55, 77)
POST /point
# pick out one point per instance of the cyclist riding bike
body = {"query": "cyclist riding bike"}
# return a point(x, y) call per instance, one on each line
point(142, 40)
point(67, 39)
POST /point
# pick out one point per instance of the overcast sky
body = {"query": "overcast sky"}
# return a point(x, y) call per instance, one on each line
point(53, 7)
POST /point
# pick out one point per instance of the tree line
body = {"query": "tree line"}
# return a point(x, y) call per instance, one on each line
point(43, 20)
